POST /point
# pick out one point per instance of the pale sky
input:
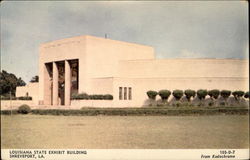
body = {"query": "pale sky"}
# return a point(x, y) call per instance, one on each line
point(192, 29)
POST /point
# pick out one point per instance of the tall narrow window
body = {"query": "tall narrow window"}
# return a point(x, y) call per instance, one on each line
point(125, 93)
point(130, 93)
point(120, 93)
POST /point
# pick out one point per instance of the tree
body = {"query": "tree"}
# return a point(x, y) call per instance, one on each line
point(225, 93)
point(9, 82)
point(201, 93)
point(164, 94)
point(152, 94)
point(34, 79)
point(246, 95)
point(214, 93)
point(189, 93)
point(238, 94)
point(177, 94)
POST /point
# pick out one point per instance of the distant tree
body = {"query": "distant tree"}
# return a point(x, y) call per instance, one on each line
point(177, 94)
point(34, 79)
point(189, 93)
point(9, 82)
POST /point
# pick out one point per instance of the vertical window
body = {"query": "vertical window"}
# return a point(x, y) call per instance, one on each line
point(129, 93)
point(120, 93)
point(125, 93)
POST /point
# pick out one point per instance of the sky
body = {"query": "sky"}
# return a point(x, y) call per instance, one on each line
point(193, 29)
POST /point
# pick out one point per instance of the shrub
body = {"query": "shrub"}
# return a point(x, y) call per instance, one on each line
point(201, 93)
point(92, 97)
point(80, 96)
point(83, 96)
point(24, 109)
point(108, 96)
point(238, 94)
point(177, 94)
point(214, 93)
point(7, 97)
point(225, 93)
point(189, 93)
point(25, 98)
point(152, 94)
point(164, 94)
point(97, 96)
point(246, 95)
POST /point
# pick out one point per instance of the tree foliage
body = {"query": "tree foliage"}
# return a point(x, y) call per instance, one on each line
point(177, 94)
point(246, 95)
point(201, 93)
point(164, 94)
point(225, 93)
point(214, 93)
point(238, 94)
point(9, 82)
point(152, 94)
point(189, 93)
point(34, 79)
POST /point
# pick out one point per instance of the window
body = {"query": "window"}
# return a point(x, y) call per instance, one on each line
point(120, 93)
point(125, 93)
point(130, 93)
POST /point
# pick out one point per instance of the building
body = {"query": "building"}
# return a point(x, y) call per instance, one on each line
point(126, 71)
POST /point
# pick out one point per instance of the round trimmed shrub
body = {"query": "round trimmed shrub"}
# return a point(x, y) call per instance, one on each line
point(225, 93)
point(201, 93)
point(214, 93)
point(238, 94)
point(189, 93)
point(177, 94)
point(24, 109)
point(246, 95)
point(152, 94)
point(164, 94)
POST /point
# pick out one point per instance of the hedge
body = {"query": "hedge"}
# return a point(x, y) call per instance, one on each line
point(16, 98)
point(92, 97)
point(138, 111)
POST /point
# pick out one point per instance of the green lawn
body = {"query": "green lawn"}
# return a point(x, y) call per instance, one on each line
point(98, 132)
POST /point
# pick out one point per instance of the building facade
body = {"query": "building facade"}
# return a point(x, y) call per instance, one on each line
point(92, 65)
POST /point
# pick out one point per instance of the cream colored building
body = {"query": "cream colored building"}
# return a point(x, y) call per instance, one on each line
point(126, 71)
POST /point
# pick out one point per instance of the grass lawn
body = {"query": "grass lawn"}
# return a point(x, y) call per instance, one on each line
point(123, 132)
